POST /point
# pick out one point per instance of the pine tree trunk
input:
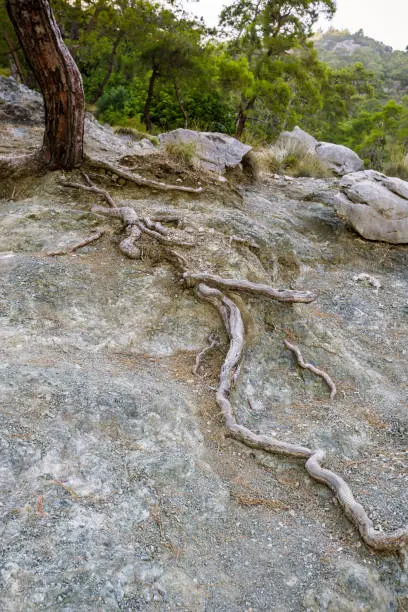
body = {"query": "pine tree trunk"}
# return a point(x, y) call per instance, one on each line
point(59, 80)
point(242, 117)
point(110, 68)
point(240, 123)
point(180, 102)
point(147, 118)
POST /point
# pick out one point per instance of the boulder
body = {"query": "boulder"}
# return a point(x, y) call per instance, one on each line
point(338, 158)
point(217, 152)
point(295, 139)
point(375, 205)
point(19, 104)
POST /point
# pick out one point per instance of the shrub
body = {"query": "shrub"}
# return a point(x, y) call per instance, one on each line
point(268, 161)
point(310, 165)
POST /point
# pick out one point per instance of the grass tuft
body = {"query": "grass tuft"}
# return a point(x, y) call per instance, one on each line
point(182, 152)
point(293, 159)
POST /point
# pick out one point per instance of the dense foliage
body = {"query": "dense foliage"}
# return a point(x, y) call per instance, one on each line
point(153, 67)
point(377, 125)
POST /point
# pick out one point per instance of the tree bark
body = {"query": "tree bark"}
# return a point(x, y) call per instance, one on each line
point(147, 118)
point(110, 68)
point(59, 80)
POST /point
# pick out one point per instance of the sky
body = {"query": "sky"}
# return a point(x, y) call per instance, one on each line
point(385, 21)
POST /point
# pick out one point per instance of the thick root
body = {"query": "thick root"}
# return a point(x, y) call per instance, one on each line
point(139, 180)
point(245, 286)
point(234, 325)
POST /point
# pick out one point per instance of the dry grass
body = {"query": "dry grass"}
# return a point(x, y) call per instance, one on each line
point(135, 134)
point(293, 159)
point(182, 152)
point(398, 164)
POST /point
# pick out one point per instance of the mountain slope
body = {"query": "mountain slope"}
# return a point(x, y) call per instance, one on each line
point(340, 48)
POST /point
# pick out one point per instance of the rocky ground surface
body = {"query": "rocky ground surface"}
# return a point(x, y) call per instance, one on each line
point(118, 490)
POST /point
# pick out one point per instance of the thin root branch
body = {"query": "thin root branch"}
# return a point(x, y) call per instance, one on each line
point(84, 243)
point(309, 366)
point(212, 342)
point(90, 187)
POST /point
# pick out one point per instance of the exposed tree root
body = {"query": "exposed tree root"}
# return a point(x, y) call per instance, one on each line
point(312, 368)
point(231, 316)
point(245, 286)
point(135, 226)
point(89, 187)
point(139, 180)
point(207, 288)
point(74, 248)
point(212, 342)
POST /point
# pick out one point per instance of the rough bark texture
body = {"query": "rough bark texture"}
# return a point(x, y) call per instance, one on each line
point(59, 80)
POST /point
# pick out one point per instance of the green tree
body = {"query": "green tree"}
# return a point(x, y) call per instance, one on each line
point(266, 32)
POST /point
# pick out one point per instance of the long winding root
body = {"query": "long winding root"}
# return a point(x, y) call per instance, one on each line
point(231, 316)
point(208, 287)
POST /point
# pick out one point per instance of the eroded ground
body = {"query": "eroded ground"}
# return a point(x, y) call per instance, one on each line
point(118, 490)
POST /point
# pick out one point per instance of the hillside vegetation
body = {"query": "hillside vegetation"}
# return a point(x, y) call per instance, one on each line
point(151, 67)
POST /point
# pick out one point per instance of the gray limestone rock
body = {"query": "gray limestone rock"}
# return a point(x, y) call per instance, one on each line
point(19, 104)
point(375, 205)
point(215, 151)
point(338, 158)
point(297, 138)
